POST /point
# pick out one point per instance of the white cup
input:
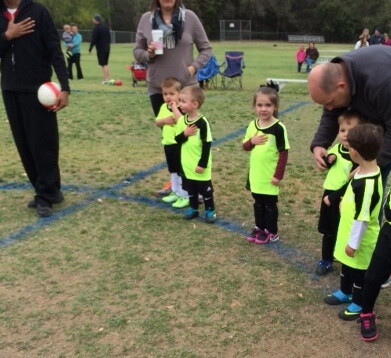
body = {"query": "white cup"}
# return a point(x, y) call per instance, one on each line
point(157, 39)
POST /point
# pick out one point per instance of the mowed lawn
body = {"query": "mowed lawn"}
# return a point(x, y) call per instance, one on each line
point(117, 273)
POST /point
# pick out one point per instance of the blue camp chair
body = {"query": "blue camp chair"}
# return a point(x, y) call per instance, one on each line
point(232, 74)
point(208, 73)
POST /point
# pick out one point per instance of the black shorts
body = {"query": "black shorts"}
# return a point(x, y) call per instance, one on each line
point(194, 187)
point(173, 158)
point(103, 57)
point(329, 217)
point(379, 269)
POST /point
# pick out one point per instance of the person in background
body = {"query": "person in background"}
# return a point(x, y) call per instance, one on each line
point(267, 141)
point(340, 168)
point(376, 38)
point(312, 55)
point(182, 33)
point(358, 228)
point(75, 50)
point(30, 47)
point(67, 37)
point(387, 40)
point(362, 42)
point(194, 136)
point(101, 39)
point(300, 57)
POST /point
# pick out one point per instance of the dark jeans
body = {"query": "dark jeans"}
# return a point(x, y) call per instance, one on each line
point(35, 133)
point(156, 102)
point(75, 59)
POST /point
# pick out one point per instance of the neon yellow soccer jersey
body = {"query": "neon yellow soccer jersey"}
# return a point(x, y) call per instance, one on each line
point(168, 131)
point(196, 149)
point(264, 157)
point(362, 202)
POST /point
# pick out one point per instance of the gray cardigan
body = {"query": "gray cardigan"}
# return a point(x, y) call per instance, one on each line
point(369, 75)
point(173, 62)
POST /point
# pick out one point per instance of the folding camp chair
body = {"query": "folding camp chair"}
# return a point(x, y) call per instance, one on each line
point(233, 71)
point(207, 75)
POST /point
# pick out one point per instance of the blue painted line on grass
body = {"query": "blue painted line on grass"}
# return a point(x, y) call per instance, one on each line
point(294, 257)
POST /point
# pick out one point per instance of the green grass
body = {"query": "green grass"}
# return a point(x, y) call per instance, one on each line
point(118, 274)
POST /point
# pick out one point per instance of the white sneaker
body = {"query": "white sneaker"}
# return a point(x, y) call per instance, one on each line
point(387, 283)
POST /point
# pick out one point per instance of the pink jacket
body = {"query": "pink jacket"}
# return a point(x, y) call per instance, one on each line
point(300, 56)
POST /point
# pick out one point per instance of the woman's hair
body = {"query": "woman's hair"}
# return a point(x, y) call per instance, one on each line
point(155, 4)
point(271, 93)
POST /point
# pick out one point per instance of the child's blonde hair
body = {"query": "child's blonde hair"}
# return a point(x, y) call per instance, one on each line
point(67, 27)
point(171, 82)
point(196, 94)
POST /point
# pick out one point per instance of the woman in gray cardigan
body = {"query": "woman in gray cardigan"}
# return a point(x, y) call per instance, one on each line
point(181, 30)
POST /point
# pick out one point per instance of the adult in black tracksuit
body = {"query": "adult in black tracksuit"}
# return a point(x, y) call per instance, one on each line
point(101, 39)
point(29, 48)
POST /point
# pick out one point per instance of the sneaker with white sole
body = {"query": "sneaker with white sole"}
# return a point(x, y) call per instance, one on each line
point(181, 203)
point(266, 238)
point(387, 283)
point(170, 198)
point(254, 235)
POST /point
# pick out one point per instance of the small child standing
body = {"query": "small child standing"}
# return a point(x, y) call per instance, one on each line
point(166, 119)
point(359, 224)
point(300, 57)
point(378, 271)
point(340, 166)
point(194, 136)
point(266, 138)
point(67, 37)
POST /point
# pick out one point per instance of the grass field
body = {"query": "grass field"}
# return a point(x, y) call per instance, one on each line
point(117, 273)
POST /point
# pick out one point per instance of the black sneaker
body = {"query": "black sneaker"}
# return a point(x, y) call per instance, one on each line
point(324, 267)
point(59, 199)
point(44, 210)
point(368, 327)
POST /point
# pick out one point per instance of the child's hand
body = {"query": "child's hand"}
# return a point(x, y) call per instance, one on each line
point(275, 181)
point(259, 139)
point(170, 121)
point(190, 130)
point(199, 170)
point(326, 200)
point(172, 105)
point(349, 251)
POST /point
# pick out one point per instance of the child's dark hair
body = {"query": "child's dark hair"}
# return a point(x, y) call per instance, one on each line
point(272, 92)
point(196, 94)
point(366, 139)
point(350, 114)
point(171, 82)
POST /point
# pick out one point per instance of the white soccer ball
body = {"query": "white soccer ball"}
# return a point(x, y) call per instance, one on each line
point(48, 94)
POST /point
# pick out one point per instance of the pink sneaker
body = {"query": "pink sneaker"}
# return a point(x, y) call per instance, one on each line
point(266, 238)
point(255, 235)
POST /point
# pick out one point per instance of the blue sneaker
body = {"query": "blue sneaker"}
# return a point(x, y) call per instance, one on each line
point(351, 313)
point(191, 214)
point(210, 216)
point(337, 298)
point(324, 267)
